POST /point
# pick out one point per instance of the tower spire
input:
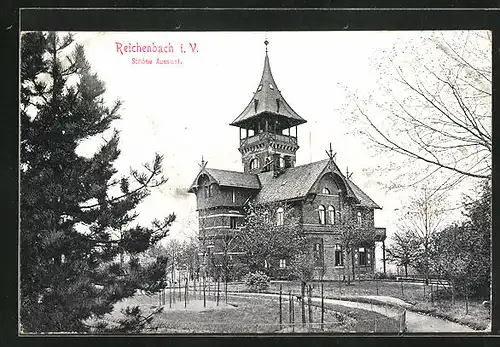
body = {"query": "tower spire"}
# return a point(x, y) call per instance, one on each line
point(266, 43)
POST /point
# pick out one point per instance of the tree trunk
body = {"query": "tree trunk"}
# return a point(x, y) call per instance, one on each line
point(406, 270)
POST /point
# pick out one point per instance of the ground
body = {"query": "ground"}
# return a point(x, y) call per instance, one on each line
point(417, 297)
point(252, 315)
point(365, 306)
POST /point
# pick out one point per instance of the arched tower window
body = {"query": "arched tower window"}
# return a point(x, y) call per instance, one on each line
point(359, 217)
point(331, 214)
point(254, 163)
point(279, 216)
point(325, 191)
point(321, 211)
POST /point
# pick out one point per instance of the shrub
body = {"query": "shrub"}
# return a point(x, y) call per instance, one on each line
point(256, 281)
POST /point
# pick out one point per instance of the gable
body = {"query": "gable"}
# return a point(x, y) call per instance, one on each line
point(293, 183)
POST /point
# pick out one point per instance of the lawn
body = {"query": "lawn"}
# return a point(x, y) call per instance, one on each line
point(252, 315)
point(478, 316)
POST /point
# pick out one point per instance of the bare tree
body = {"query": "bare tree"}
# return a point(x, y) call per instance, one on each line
point(434, 108)
point(351, 235)
point(404, 249)
point(422, 221)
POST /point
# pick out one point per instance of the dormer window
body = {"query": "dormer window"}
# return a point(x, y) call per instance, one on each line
point(208, 190)
point(271, 86)
point(325, 191)
point(259, 88)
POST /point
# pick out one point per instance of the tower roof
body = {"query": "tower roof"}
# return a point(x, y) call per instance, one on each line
point(268, 99)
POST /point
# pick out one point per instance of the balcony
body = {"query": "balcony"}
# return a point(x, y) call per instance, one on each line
point(266, 135)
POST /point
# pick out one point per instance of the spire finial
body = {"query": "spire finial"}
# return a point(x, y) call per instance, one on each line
point(266, 43)
point(330, 153)
point(203, 163)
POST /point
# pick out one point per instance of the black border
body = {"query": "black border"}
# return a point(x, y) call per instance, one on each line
point(287, 17)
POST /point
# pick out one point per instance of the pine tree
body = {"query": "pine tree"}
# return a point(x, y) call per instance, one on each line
point(77, 213)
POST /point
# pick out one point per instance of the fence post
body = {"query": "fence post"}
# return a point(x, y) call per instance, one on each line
point(170, 295)
point(340, 286)
point(432, 294)
point(322, 307)
point(218, 291)
point(204, 294)
point(375, 326)
point(376, 280)
point(180, 293)
point(309, 306)
point(402, 288)
point(185, 293)
point(172, 286)
point(424, 293)
point(281, 318)
point(293, 315)
point(290, 307)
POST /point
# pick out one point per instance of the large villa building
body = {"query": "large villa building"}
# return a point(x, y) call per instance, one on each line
point(319, 193)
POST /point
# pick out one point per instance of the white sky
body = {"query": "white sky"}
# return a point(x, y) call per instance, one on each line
point(184, 111)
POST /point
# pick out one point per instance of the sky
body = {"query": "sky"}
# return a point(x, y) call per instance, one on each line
point(183, 111)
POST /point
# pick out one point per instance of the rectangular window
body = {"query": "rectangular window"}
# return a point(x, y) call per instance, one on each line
point(233, 222)
point(282, 263)
point(338, 256)
point(317, 254)
point(234, 196)
point(362, 257)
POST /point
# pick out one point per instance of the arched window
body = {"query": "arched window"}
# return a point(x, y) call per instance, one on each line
point(254, 163)
point(325, 191)
point(279, 216)
point(321, 211)
point(331, 214)
point(359, 217)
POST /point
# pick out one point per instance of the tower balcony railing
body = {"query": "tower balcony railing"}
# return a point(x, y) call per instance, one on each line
point(267, 135)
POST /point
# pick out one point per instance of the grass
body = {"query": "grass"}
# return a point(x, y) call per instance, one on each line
point(255, 315)
point(478, 316)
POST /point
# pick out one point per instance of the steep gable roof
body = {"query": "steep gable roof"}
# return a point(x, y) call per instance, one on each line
point(364, 199)
point(293, 183)
point(229, 179)
point(297, 182)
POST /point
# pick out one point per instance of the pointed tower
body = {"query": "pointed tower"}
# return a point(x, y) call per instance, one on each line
point(266, 138)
